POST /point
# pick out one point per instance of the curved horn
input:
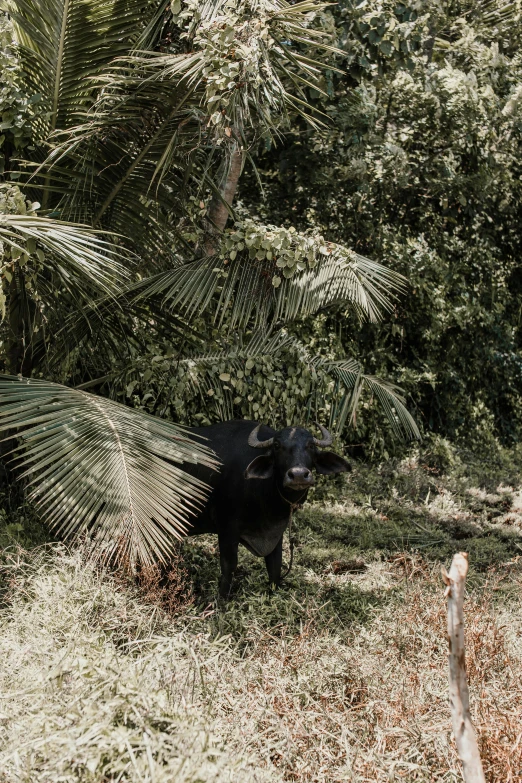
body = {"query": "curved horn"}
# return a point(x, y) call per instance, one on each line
point(327, 438)
point(258, 444)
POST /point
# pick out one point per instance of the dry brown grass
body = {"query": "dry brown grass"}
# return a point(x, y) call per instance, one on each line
point(341, 676)
point(169, 588)
point(98, 685)
point(374, 706)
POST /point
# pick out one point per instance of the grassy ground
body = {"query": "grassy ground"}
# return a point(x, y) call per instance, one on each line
point(341, 676)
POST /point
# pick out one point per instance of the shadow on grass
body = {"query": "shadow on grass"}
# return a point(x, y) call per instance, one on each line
point(406, 530)
point(359, 524)
point(364, 518)
point(306, 599)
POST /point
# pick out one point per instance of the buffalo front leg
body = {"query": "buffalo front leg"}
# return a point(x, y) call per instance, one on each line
point(228, 562)
point(274, 562)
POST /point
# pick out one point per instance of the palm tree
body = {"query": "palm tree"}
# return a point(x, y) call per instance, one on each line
point(146, 121)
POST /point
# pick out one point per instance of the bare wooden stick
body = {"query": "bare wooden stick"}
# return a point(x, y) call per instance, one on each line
point(459, 695)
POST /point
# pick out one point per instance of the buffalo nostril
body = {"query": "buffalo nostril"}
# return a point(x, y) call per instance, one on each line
point(298, 473)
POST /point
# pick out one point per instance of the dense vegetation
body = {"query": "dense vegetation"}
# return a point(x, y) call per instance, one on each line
point(391, 131)
point(423, 173)
point(276, 210)
point(138, 121)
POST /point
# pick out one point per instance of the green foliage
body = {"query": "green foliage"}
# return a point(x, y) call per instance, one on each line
point(170, 95)
point(401, 124)
point(383, 35)
point(276, 379)
point(94, 466)
point(20, 525)
point(63, 45)
point(45, 263)
point(13, 202)
point(424, 172)
point(17, 108)
point(248, 65)
point(290, 251)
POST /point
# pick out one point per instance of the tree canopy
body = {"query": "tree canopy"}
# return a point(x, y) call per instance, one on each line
point(423, 174)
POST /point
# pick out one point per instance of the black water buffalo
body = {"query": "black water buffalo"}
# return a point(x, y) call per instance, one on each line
point(253, 496)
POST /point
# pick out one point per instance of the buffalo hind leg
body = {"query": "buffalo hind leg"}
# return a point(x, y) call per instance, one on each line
point(228, 562)
point(274, 562)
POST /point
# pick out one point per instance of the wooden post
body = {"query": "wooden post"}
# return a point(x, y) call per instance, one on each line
point(459, 695)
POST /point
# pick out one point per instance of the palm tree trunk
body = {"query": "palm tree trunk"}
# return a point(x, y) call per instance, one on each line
point(15, 347)
point(18, 354)
point(218, 212)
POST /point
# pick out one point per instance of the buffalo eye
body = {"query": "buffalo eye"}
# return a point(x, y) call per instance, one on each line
point(310, 445)
point(276, 445)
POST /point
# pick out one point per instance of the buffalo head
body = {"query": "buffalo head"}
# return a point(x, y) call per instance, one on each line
point(293, 454)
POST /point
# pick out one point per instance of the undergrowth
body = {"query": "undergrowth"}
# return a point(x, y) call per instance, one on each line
point(340, 676)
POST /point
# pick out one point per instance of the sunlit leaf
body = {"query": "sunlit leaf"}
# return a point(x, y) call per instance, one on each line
point(99, 469)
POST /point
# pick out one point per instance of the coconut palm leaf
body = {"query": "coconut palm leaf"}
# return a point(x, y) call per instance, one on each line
point(64, 43)
point(242, 289)
point(195, 373)
point(96, 468)
point(151, 120)
point(345, 276)
point(498, 17)
point(81, 261)
point(105, 168)
point(113, 180)
point(111, 333)
point(193, 376)
point(353, 382)
point(498, 21)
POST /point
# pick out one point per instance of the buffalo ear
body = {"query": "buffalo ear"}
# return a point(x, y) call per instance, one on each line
point(327, 463)
point(261, 467)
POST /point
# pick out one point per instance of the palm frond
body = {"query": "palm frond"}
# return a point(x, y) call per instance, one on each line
point(109, 334)
point(64, 43)
point(251, 97)
point(354, 382)
point(493, 21)
point(96, 468)
point(343, 276)
point(155, 116)
point(219, 383)
point(194, 374)
point(499, 17)
point(106, 169)
point(242, 289)
point(82, 261)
